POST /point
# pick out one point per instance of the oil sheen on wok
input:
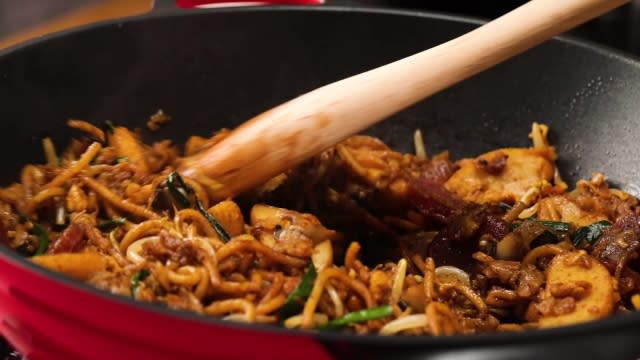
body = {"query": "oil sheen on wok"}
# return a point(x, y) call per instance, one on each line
point(360, 238)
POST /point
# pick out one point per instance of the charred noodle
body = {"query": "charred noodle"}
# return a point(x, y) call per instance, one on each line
point(421, 245)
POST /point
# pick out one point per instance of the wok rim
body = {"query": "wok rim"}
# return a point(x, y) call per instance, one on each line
point(410, 342)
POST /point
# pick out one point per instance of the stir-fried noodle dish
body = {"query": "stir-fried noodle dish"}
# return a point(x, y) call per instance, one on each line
point(360, 238)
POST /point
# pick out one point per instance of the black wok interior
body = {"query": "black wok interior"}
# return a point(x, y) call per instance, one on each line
point(215, 69)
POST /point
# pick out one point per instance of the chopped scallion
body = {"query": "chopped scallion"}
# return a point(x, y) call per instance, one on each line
point(554, 225)
point(293, 304)
point(590, 233)
point(358, 316)
point(183, 194)
point(179, 190)
point(43, 238)
point(224, 235)
point(138, 277)
point(111, 224)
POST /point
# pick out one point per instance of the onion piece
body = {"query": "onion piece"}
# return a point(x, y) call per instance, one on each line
point(452, 275)
point(335, 298)
point(404, 323)
point(398, 281)
point(134, 251)
point(322, 255)
point(418, 143)
point(529, 212)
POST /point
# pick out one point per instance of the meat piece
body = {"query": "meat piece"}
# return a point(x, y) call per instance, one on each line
point(523, 280)
point(495, 226)
point(494, 164)
point(288, 231)
point(528, 281)
point(503, 298)
point(374, 163)
point(72, 239)
point(434, 201)
point(525, 168)
point(619, 243)
point(171, 248)
point(579, 289)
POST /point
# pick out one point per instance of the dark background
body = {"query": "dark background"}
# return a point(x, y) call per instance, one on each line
point(619, 29)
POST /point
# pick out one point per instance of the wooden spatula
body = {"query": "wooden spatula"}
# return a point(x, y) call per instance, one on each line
point(283, 137)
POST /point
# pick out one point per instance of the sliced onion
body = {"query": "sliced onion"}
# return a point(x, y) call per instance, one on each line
point(134, 251)
point(418, 143)
point(451, 275)
point(404, 323)
point(322, 255)
point(335, 298)
point(529, 212)
point(398, 281)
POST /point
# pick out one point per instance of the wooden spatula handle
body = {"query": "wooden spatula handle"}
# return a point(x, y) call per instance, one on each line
point(294, 131)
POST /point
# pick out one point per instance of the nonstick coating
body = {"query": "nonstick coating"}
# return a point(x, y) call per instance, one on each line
point(213, 69)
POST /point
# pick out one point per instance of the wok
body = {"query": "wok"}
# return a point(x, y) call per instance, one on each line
point(210, 69)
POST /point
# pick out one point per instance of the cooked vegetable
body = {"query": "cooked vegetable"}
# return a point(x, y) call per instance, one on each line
point(138, 277)
point(359, 237)
point(293, 304)
point(183, 195)
point(43, 239)
point(111, 224)
point(224, 235)
point(555, 225)
point(359, 316)
point(589, 234)
point(179, 190)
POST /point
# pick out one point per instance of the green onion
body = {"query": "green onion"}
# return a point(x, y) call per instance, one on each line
point(555, 225)
point(136, 279)
point(293, 304)
point(504, 206)
point(121, 159)
point(224, 235)
point(358, 316)
point(109, 127)
point(179, 190)
point(111, 224)
point(43, 238)
point(590, 233)
point(182, 194)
